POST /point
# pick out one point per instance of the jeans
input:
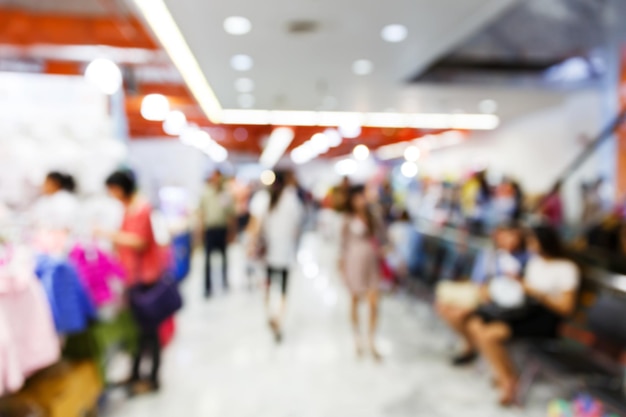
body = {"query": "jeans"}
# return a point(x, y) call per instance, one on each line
point(215, 239)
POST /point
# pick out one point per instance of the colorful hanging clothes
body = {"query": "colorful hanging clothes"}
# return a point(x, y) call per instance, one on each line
point(71, 306)
point(96, 269)
point(28, 341)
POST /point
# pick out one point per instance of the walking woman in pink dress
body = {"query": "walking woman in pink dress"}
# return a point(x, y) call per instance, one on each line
point(360, 263)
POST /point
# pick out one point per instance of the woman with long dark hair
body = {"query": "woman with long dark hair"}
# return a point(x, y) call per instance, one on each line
point(279, 225)
point(360, 263)
point(550, 284)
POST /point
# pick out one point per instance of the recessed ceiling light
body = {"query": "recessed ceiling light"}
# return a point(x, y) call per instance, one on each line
point(409, 169)
point(104, 74)
point(237, 25)
point(242, 62)
point(361, 152)
point(175, 123)
point(362, 67)
point(155, 107)
point(244, 85)
point(488, 106)
point(394, 33)
point(246, 101)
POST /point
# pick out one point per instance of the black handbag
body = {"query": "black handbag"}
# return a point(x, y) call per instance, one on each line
point(494, 312)
point(153, 304)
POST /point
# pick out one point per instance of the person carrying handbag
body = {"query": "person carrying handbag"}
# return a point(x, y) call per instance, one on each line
point(145, 264)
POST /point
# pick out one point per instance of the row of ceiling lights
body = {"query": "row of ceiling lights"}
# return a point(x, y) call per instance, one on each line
point(239, 26)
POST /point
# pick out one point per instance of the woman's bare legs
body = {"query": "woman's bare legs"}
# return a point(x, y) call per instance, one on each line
point(456, 318)
point(372, 298)
point(490, 339)
point(354, 315)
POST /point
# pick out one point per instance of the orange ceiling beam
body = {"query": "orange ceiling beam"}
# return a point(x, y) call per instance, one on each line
point(24, 28)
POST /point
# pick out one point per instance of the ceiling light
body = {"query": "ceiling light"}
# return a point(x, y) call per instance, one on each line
point(362, 67)
point(394, 33)
point(246, 117)
point(246, 101)
point(155, 107)
point(488, 106)
point(175, 123)
point(474, 122)
point(393, 151)
point(268, 177)
point(409, 169)
point(412, 153)
point(279, 141)
point(321, 143)
point(334, 137)
point(158, 17)
point(303, 154)
point(361, 152)
point(237, 25)
point(242, 62)
point(346, 167)
point(105, 75)
point(386, 119)
point(244, 85)
point(350, 128)
point(350, 124)
point(294, 118)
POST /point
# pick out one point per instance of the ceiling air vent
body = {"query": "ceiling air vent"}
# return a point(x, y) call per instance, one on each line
point(302, 27)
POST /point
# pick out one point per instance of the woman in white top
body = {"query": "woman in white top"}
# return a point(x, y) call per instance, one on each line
point(278, 216)
point(551, 284)
point(58, 208)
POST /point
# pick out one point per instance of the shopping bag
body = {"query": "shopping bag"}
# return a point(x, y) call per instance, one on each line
point(153, 304)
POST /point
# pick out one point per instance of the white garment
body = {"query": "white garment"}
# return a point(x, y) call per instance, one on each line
point(551, 277)
point(58, 211)
point(280, 227)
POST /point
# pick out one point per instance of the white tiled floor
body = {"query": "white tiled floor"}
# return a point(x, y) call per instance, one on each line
point(224, 362)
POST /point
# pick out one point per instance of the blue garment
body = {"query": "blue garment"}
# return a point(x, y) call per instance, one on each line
point(487, 266)
point(71, 306)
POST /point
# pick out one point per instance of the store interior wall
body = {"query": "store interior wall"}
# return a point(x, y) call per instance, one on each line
point(168, 163)
point(535, 149)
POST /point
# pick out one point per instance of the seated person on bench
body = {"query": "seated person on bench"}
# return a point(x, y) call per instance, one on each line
point(550, 284)
point(507, 257)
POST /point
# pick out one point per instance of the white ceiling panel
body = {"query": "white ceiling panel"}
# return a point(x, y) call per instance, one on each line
point(300, 71)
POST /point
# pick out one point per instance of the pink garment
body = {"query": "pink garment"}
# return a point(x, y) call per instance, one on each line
point(96, 269)
point(28, 323)
point(11, 376)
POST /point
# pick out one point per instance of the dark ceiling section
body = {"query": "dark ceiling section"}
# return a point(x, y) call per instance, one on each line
point(530, 44)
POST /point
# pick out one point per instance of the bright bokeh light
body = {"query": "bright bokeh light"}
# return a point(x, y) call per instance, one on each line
point(155, 107)
point(105, 75)
point(350, 129)
point(346, 167)
point(334, 137)
point(321, 143)
point(412, 153)
point(244, 85)
point(409, 169)
point(311, 270)
point(268, 177)
point(242, 62)
point(175, 123)
point(361, 152)
point(363, 67)
point(237, 25)
point(394, 33)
